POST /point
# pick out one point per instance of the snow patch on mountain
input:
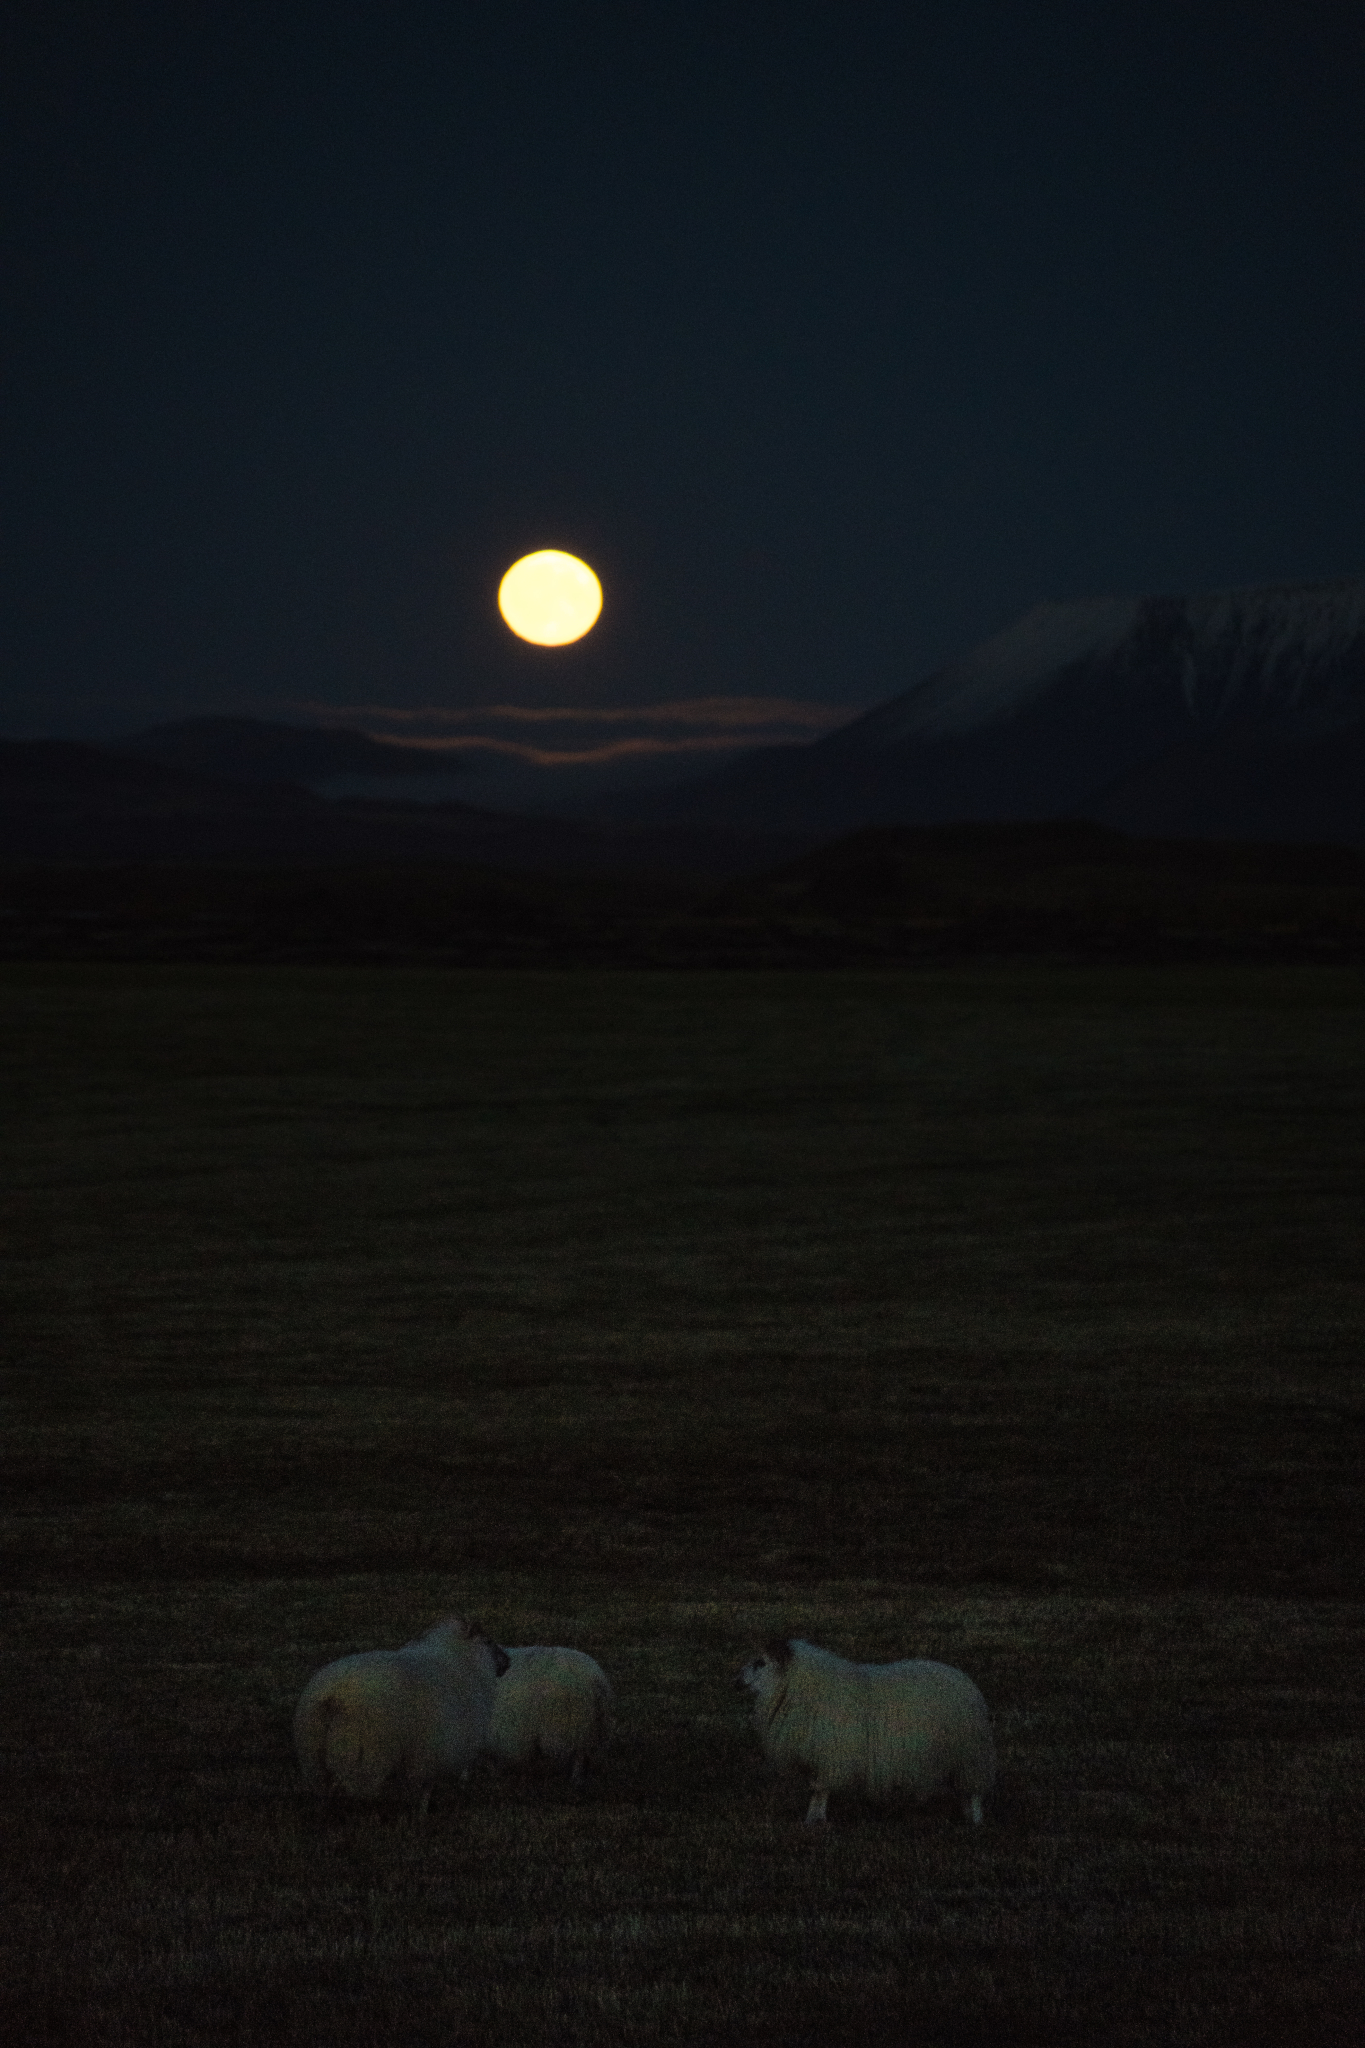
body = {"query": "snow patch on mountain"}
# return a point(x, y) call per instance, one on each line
point(1275, 651)
point(1276, 648)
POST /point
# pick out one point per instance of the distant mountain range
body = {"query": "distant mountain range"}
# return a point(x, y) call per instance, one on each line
point(1239, 715)
point(1235, 716)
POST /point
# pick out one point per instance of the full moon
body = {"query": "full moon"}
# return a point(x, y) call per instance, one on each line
point(550, 598)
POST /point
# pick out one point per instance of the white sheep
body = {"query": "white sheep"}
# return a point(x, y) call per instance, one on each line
point(400, 1719)
point(553, 1703)
point(914, 1728)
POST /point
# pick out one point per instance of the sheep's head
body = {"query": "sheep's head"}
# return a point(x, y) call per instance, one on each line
point(454, 1629)
point(457, 1630)
point(763, 1674)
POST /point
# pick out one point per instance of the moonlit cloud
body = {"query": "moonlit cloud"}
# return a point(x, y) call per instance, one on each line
point(571, 736)
point(750, 713)
point(575, 757)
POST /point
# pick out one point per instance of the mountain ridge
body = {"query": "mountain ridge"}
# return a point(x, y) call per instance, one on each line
point(1072, 703)
point(1237, 714)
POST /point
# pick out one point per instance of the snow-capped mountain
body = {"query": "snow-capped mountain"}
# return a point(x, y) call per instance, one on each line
point(1239, 714)
point(1289, 651)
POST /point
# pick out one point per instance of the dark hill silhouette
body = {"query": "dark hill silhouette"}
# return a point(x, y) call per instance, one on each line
point(63, 801)
point(259, 750)
point(894, 898)
point(1245, 784)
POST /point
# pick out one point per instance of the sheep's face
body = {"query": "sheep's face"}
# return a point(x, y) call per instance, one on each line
point(764, 1673)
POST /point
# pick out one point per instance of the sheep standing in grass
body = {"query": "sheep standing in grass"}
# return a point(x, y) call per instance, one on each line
point(400, 1719)
point(913, 1728)
point(551, 1703)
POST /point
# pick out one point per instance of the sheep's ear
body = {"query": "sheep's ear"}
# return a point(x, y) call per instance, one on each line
point(778, 1650)
point(501, 1660)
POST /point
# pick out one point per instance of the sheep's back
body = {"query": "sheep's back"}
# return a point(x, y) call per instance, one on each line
point(359, 1724)
point(401, 1716)
point(915, 1727)
point(458, 1687)
point(550, 1701)
point(931, 1731)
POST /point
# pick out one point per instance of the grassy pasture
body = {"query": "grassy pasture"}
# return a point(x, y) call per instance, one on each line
point(1005, 1314)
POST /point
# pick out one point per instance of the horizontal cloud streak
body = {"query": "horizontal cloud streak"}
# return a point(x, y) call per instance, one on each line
point(750, 714)
point(578, 757)
point(571, 735)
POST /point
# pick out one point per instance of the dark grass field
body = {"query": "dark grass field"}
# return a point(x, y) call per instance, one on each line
point(1005, 1314)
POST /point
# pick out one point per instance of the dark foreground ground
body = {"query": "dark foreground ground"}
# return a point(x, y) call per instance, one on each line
point(1005, 1315)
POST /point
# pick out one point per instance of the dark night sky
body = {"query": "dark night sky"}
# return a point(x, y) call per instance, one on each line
point(834, 337)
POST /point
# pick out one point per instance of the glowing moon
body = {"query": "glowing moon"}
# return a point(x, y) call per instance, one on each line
point(550, 598)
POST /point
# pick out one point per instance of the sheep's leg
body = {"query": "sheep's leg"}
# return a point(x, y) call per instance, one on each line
point(819, 1801)
point(971, 1808)
point(424, 1802)
point(580, 1769)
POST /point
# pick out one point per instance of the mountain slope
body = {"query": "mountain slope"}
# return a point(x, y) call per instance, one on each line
point(1236, 713)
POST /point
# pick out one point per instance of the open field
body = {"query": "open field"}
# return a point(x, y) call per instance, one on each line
point(1005, 1314)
